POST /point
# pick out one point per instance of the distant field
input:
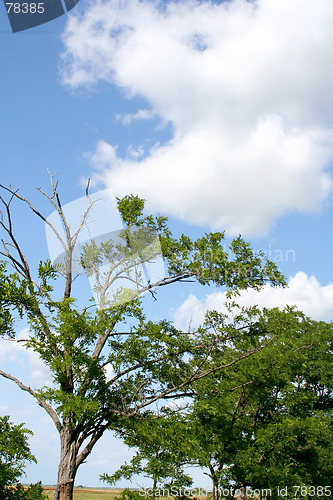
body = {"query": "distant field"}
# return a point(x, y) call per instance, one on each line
point(88, 493)
point(100, 494)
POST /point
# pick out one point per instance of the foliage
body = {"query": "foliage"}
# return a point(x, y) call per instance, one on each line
point(18, 492)
point(268, 421)
point(14, 450)
point(263, 423)
point(128, 494)
point(292, 440)
point(82, 346)
point(14, 453)
point(160, 454)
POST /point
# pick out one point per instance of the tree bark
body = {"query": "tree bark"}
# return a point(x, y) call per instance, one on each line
point(215, 481)
point(67, 465)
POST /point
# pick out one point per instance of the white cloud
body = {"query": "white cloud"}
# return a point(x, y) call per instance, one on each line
point(248, 88)
point(14, 352)
point(177, 404)
point(109, 372)
point(304, 292)
point(141, 114)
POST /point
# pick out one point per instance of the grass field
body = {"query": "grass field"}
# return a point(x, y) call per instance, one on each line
point(99, 494)
point(88, 493)
point(102, 494)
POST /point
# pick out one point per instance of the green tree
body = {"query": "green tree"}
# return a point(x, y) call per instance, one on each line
point(14, 453)
point(292, 437)
point(160, 453)
point(267, 422)
point(209, 432)
point(79, 345)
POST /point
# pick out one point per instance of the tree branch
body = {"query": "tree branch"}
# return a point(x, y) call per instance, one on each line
point(87, 450)
point(40, 401)
point(197, 376)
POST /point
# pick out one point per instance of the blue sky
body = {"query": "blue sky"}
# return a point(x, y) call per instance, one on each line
point(219, 114)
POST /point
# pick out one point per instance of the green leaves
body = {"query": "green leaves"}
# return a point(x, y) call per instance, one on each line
point(161, 453)
point(46, 272)
point(260, 421)
point(110, 364)
point(130, 208)
point(10, 298)
point(264, 421)
point(207, 260)
point(14, 451)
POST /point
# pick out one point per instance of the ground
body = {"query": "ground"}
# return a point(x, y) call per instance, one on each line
point(87, 493)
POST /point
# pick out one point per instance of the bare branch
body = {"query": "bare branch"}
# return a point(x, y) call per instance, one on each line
point(241, 385)
point(133, 368)
point(87, 450)
point(40, 401)
point(87, 188)
point(101, 342)
point(71, 240)
point(35, 211)
point(17, 340)
point(9, 230)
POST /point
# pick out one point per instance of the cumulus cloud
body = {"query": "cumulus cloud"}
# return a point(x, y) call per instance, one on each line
point(247, 87)
point(304, 292)
point(13, 352)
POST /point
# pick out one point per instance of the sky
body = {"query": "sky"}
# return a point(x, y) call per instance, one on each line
point(219, 114)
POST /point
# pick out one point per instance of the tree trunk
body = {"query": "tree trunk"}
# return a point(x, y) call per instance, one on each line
point(154, 486)
point(216, 491)
point(67, 465)
point(215, 481)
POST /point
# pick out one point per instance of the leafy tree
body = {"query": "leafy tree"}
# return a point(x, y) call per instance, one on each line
point(267, 421)
point(264, 423)
point(161, 453)
point(292, 437)
point(18, 492)
point(211, 431)
point(80, 345)
point(14, 453)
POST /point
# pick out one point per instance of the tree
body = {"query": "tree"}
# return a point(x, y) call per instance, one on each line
point(212, 430)
point(160, 454)
point(266, 423)
point(292, 437)
point(14, 453)
point(80, 345)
